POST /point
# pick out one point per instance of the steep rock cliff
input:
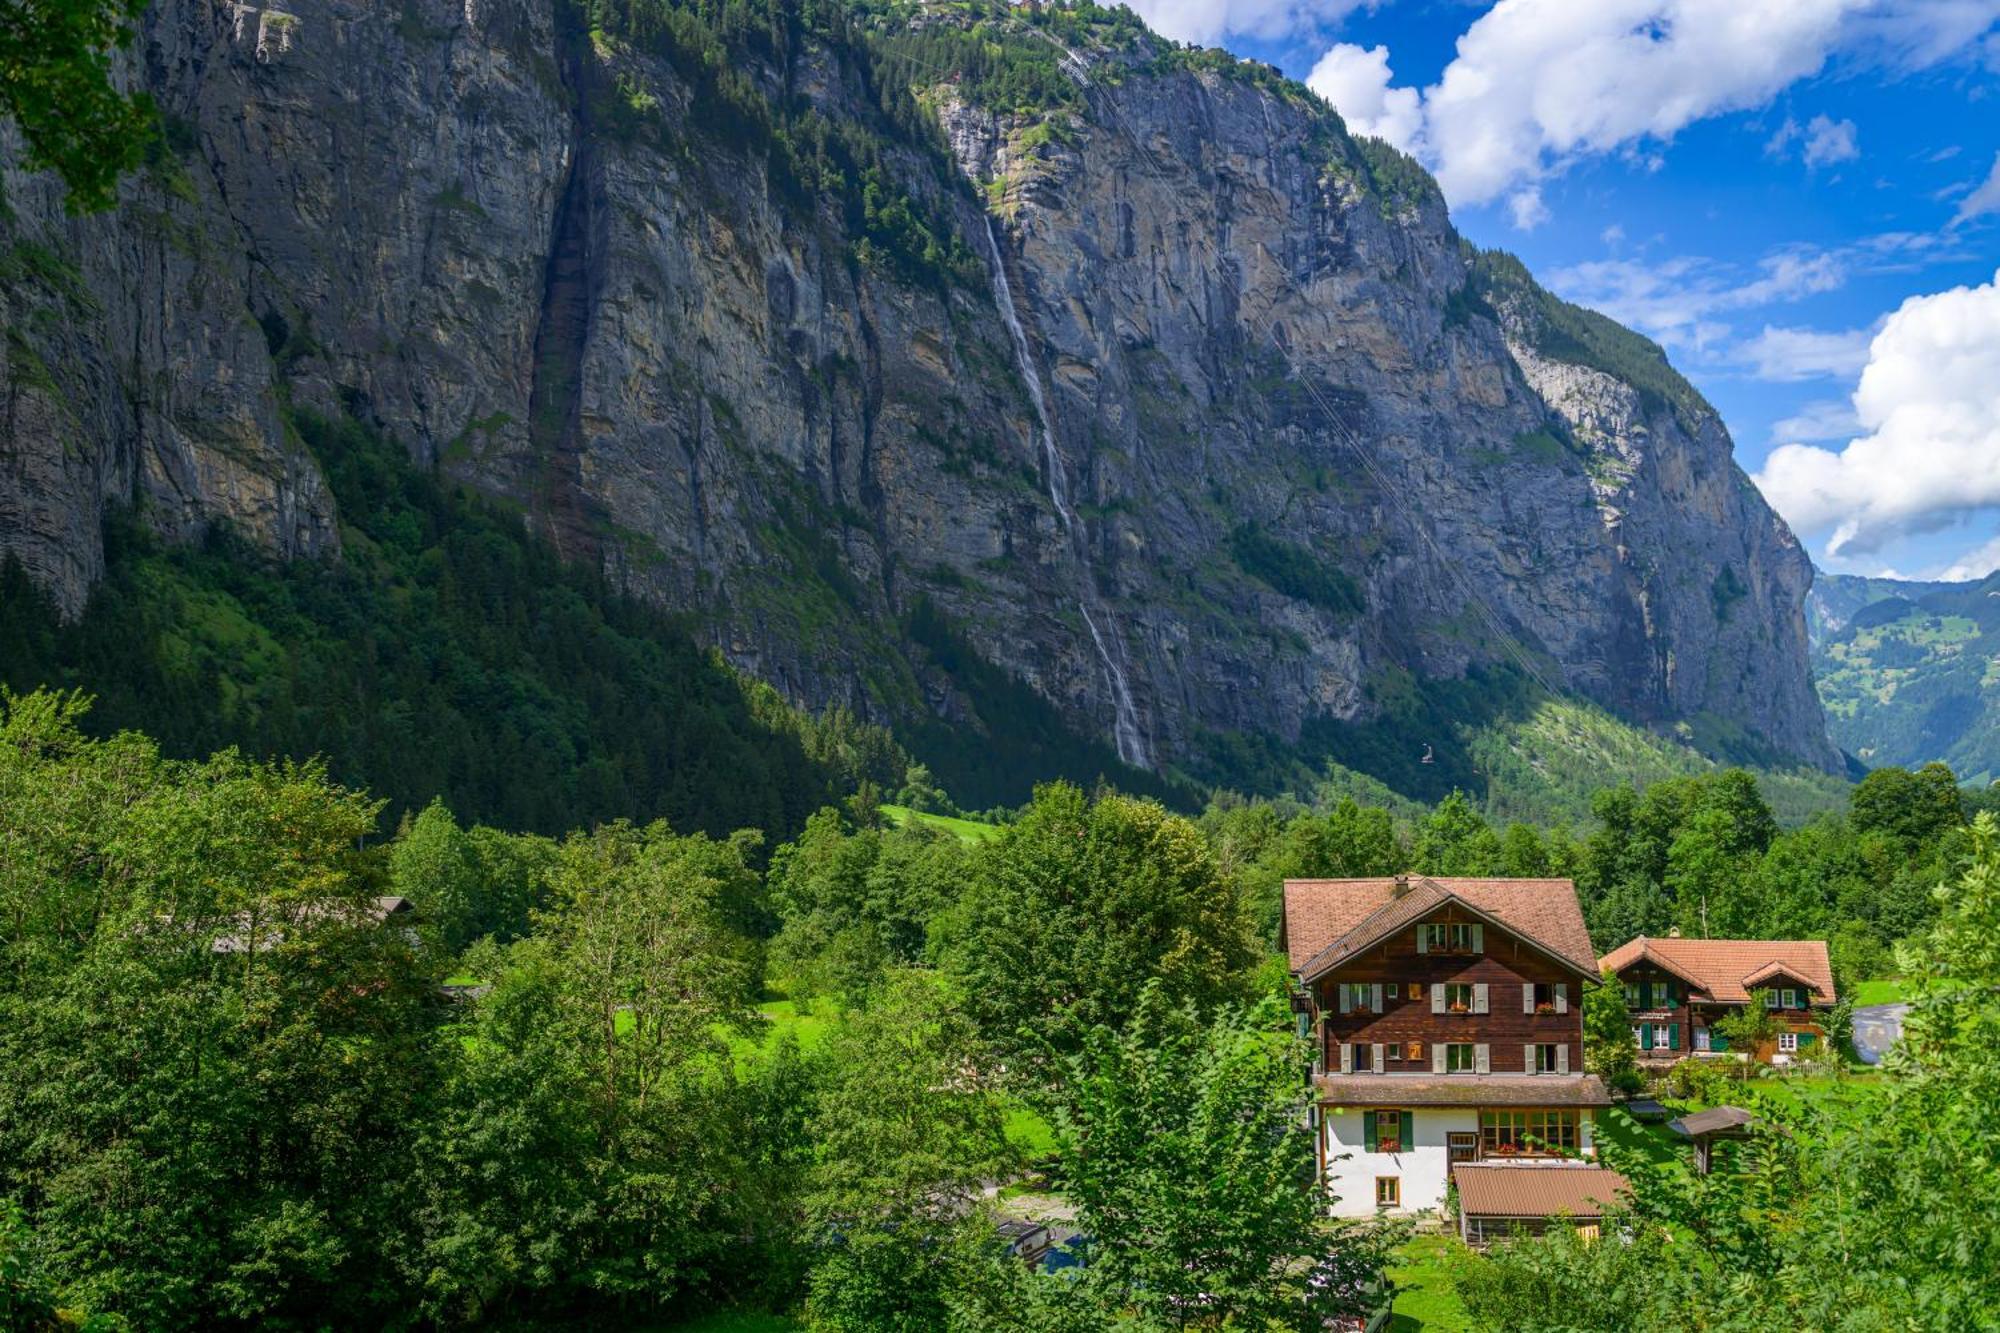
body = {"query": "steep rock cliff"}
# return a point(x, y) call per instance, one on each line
point(733, 333)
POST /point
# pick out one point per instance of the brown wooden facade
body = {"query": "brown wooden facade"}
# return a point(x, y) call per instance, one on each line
point(1660, 1000)
point(1504, 965)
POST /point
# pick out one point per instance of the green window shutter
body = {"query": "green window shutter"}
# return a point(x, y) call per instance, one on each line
point(1409, 1130)
point(1716, 1041)
point(1673, 1036)
point(1645, 1036)
point(1645, 995)
point(1805, 1040)
point(1368, 1130)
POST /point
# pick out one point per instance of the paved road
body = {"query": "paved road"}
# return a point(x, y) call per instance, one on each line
point(1877, 1027)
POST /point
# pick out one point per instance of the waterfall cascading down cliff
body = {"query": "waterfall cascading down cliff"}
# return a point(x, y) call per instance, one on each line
point(1131, 742)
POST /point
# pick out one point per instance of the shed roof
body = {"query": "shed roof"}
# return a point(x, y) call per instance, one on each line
point(1717, 1119)
point(1536, 1190)
point(1329, 920)
point(1726, 969)
point(1462, 1090)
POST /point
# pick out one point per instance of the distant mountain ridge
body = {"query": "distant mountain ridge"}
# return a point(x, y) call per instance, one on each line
point(1909, 672)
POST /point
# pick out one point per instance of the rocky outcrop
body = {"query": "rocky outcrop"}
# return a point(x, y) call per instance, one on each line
point(1304, 457)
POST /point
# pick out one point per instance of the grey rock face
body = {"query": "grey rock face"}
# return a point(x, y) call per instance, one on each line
point(424, 216)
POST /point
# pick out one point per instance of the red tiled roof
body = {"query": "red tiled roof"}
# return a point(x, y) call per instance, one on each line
point(1356, 914)
point(1461, 1090)
point(1537, 1190)
point(1726, 969)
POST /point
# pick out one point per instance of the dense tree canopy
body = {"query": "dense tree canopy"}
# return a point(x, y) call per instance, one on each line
point(1077, 906)
point(56, 84)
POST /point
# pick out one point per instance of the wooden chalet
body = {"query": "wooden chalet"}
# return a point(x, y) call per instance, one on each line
point(1677, 988)
point(1447, 1019)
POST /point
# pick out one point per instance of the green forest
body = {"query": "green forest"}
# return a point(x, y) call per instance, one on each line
point(627, 1075)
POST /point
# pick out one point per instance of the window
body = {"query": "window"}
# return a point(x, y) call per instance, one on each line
point(1457, 998)
point(1663, 1037)
point(1545, 1058)
point(1632, 995)
point(1416, 1049)
point(1545, 997)
point(1460, 1058)
point(1449, 937)
point(1416, 990)
point(1788, 1041)
point(1388, 1192)
point(1389, 1131)
point(1770, 999)
point(1462, 1147)
point(1791, 999)
point(1638, 1037)
point(1511, 1133)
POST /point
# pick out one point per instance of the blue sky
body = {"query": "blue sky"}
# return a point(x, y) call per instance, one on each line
point(1799, 198)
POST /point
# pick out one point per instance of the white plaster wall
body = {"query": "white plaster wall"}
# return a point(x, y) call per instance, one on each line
point(1424, 1170)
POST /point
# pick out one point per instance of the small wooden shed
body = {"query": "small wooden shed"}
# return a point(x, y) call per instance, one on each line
point(1703, 1128)
point(1497, 1201)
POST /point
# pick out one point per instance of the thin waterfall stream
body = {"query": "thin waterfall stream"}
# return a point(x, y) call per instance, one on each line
point(1125, 731)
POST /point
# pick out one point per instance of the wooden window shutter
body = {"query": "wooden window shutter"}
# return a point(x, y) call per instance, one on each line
point(1375, 1056)
point(1345, 997)
point(1437, 1057)
point(1528, 1058)
point(1409, 1127)
point(1375, 996)
point(1437, 997)
point(1423, 939)
point(1645, 995)
point(1479, 997)
point(1347, 1057)
point(1645, 1036)
point(1562, 997)
point(1673, 1036)
point(1527, 997)
point(1482, 1056)
point(1368, 1130)
point(1562, 1058)
point(1478, 938)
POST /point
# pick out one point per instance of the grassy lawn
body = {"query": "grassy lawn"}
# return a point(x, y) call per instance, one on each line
point(1029, 1132)
point(1656, 1144)
point(737, 1321)
point(1886, 990)
point(1426, 1298)
point(968, 830)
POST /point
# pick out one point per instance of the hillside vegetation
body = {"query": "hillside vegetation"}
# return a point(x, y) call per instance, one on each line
point(1909, 673)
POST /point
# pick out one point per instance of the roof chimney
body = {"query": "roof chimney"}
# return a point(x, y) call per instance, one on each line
point(1402, 886)
point(1674, 933)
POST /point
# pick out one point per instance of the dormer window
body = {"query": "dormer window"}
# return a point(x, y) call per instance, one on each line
point(1451, 937)
point(1791, 998)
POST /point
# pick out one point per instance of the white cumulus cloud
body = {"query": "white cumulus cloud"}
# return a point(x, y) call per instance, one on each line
point(1829, 141)
point(1538, 82)
point(1356, 81)
point(1974, 564)
point(1537, 85)
point(1783, 354)
point(1929, 407)
point(1209, 21)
